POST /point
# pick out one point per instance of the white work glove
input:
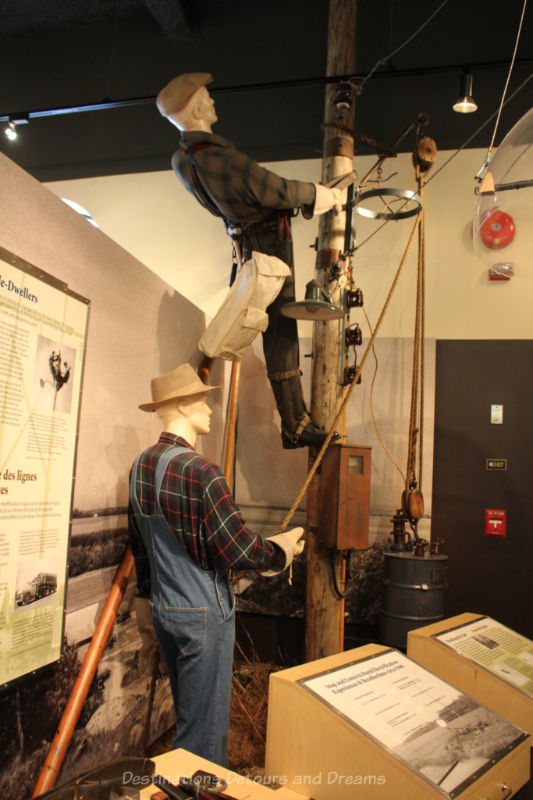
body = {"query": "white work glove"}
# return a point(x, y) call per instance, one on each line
point(291, 545)
point(327, 199)
point(149, 652)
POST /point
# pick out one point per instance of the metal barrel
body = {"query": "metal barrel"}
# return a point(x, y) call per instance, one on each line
point(413, 594)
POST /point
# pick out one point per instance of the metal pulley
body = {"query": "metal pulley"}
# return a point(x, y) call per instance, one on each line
point(425, 153)
point(413, 504)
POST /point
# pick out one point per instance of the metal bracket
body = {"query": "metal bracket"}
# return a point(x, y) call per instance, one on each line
point(397, 194)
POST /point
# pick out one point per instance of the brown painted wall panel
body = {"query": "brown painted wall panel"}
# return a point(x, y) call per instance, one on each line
point(487, 574)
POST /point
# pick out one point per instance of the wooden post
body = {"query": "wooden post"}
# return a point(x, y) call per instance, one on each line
point(80, 690)
point(324, 610)
point(231, 423)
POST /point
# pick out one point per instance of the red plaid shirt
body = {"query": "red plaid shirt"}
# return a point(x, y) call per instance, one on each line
point(198, 505)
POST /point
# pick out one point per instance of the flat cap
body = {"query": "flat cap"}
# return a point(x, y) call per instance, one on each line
point(179, 91)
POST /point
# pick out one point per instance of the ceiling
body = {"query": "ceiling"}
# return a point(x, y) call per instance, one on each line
point(268, 61)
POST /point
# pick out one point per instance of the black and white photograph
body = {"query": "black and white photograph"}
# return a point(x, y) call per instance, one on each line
point(52, 383)
point(36, 581)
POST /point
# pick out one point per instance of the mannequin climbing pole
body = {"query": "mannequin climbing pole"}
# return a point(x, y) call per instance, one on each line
point(324, 608)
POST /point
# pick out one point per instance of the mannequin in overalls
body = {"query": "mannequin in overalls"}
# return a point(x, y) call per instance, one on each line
point(256, 206)
point(186, 528)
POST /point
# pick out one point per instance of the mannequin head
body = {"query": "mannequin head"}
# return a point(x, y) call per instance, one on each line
point(187, 104)
point(188, 417)
point(198, 115)
point(180, 400)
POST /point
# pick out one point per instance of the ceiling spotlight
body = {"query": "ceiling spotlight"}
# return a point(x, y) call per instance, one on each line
point(14, 120)
point(465, 104)
point(11, 132)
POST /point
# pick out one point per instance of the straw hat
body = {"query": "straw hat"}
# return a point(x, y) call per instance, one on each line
point(179, 91)
point(181, 382)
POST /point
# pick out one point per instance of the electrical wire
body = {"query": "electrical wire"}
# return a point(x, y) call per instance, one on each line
point(481, 127)
point(512, 165)
point(371, 404)
point(456, 153)
point(339, 593)
point(508, 76)
point(498, 112)
point(383, 61)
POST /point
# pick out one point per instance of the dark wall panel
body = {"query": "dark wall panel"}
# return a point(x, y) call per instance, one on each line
point(487, 574)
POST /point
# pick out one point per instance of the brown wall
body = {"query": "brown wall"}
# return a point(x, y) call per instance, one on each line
point(487, 574)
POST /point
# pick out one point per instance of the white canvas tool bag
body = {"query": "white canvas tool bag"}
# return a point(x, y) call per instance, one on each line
point(242, 315)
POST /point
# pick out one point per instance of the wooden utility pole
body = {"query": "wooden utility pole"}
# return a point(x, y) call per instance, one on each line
point(324, 609)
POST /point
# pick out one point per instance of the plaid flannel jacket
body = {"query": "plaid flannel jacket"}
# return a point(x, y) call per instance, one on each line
point(197, 503)
point(232, 185)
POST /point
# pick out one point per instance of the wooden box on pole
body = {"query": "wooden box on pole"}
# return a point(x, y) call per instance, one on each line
point(345, 497)
point(319, 751)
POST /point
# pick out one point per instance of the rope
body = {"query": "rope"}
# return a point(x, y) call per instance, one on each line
point(422, 256)
point(416, 418)
point(347, 396)
point(508, 78)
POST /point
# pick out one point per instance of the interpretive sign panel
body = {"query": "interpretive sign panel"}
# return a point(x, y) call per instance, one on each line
point(499, 649)
point(447, 738)
point(43, 328)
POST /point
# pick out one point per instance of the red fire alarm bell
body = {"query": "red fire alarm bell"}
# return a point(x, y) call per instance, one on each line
point(495, 522)
point(497, 230)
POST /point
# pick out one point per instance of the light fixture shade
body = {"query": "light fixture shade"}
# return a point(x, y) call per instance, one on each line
point(314, 308)
point(465, 104)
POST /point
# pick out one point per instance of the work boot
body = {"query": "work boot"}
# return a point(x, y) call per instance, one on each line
point(306, 435)
point(310, 436)
point(297, 427)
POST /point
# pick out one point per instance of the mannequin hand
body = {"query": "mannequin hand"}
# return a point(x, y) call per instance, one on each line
point(295, 535)
point(328, 199)
point(291, 545)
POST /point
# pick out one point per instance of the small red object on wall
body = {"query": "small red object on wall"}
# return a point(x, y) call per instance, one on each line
point(495, 522)
point(497, 230)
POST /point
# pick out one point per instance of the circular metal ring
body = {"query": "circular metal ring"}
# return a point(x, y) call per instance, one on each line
point(398, 194)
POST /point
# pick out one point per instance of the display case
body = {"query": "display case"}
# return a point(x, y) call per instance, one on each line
point(371, 722)
point(482, 658)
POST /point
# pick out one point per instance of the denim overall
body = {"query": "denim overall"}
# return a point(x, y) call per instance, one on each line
point(194, 619)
